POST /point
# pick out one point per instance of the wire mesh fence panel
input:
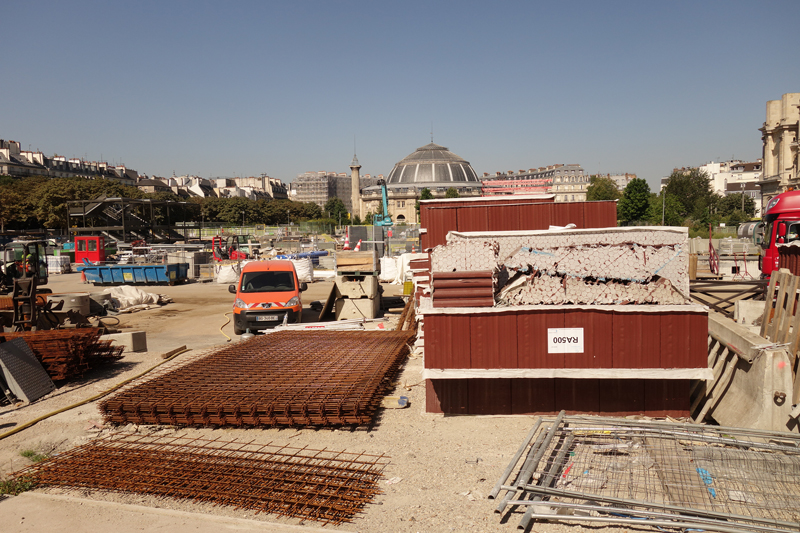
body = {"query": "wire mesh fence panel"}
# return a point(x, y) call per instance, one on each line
point(597, 469)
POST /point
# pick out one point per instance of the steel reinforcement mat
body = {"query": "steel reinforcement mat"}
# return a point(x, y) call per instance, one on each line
point(320, 485)
point(295, 378)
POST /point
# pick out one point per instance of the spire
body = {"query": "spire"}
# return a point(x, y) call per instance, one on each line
point(354, 162)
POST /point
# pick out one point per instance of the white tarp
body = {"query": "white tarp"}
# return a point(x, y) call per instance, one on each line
point(305, 269)
point(388, 269)
point(128, 296)
point(228, 274)
point(402, 265)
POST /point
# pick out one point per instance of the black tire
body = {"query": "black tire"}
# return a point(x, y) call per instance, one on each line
point(237, 331)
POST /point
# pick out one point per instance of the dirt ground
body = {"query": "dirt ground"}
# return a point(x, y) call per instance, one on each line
point(442, 467)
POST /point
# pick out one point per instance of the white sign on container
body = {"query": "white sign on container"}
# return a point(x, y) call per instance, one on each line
point(564, 340)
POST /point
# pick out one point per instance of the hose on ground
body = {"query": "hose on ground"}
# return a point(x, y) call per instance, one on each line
point(225, 324)
point(87, 400)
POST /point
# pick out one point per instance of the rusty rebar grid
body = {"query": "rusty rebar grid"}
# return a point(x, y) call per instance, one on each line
point(322, 485)
point(292, 378)
point(69, 353)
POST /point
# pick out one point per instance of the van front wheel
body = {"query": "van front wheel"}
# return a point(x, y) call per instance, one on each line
point(237, 331)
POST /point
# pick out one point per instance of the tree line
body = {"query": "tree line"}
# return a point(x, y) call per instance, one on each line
point(687, 199)
point(40, 202)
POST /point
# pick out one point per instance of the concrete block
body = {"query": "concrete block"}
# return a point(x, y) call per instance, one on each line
point(133, 341)
point(357, 286)
point(348, 308)
point(747, 312)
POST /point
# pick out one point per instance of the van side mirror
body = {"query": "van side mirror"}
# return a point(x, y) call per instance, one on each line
point(303, 286)
point(232, 289)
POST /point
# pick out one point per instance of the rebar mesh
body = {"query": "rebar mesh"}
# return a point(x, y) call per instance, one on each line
point(744, 480)
point(321, 485)
point(69, 353)
point(284, 378)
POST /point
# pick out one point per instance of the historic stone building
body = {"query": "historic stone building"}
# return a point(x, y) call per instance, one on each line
point(779, 137)
point(432, 167)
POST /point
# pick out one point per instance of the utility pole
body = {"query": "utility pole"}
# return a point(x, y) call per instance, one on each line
point(663, 205)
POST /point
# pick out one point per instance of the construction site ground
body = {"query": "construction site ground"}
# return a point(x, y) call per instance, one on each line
point(440, 472)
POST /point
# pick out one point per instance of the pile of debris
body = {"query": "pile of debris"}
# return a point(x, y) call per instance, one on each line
point(322, 485)
point(615, 266)
point(294, 378)
point(69, 353)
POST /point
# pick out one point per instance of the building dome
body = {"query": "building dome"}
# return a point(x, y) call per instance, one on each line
point(432, 164)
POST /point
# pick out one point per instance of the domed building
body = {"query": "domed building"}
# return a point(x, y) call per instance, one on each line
point(431, 166)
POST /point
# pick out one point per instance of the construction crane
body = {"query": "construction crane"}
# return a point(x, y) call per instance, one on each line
point(383, 219)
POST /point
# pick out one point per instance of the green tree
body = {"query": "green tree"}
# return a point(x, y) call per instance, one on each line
point(692, 188)
point(601, 188)
point(452, 192)
point(335, 209)
point(733, 202)
point(635, 201)
point(668, 206)
point(424, 194)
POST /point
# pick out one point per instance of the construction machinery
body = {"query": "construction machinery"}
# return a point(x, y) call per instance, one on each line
point(383, 219)
point(226, 247)
point(24, 269)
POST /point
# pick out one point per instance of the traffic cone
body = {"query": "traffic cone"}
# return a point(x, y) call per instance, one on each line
point(358, 246)
point(413, 248)
point(346, 242)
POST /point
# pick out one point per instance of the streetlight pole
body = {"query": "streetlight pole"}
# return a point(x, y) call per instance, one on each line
point(242, 220)
point(663, 205)
point(742, 197)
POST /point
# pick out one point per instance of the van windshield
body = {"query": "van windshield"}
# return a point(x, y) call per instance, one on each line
point(267, 282)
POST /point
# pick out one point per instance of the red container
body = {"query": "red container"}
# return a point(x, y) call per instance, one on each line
point(92, 248)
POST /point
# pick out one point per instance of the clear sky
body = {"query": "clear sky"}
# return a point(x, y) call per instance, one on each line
point(245, 88)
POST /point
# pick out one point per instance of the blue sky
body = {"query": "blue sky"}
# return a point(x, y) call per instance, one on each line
point(244, 88)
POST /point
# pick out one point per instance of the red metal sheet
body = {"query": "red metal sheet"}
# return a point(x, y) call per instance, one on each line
point(504, 218)
point(600, 214)
point(597, 338)
point(535, 216)
point(473, 218)
point(532, 338)
point(493, 340)
point(568, 213)
point(437, 222)
point(449, 396)
point(577, 395)
point(667, 397)
point(533, 396)
point(462, 275)
point(622, 397)
point(489, 396)
point(446, 345)
point(462, 292)
point(637, 340)
point(681, 344)
point(463, 283)
point(463, 302)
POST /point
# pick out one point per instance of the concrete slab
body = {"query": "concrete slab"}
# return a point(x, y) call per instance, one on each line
point(35, 512)
point(133, 341)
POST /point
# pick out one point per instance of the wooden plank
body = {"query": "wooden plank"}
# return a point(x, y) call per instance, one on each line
point(681, 481)
point(768, 308)
point(791, 299)
point(780, 305)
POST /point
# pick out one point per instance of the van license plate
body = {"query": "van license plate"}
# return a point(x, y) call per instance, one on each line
point(267, 318)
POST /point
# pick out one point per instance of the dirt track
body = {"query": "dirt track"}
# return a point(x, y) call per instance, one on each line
point(446, 466)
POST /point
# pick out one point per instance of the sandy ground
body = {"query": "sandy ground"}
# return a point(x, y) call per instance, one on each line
point(443, 467)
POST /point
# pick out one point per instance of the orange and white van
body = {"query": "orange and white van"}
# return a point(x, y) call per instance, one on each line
point(268, 294)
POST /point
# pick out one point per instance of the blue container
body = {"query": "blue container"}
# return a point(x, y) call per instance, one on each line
point(136, 274)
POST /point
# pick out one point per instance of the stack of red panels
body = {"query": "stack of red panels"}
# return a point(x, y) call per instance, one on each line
point(463, 289)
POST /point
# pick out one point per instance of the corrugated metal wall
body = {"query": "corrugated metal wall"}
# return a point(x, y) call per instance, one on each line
point(508, 214)
point(611, 397)
point(612, 339)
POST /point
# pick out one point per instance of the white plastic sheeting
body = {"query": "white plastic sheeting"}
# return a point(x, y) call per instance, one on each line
point(402, 265)
point(305, 269)
point(227, 274)
point(129, 297)
point(388, 269)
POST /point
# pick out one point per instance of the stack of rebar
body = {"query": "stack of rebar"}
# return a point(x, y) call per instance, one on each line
point(294, 378)
point(69, 353)
point(326, 486)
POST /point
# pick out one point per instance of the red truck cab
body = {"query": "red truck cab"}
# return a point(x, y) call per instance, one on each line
point(782, 225)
